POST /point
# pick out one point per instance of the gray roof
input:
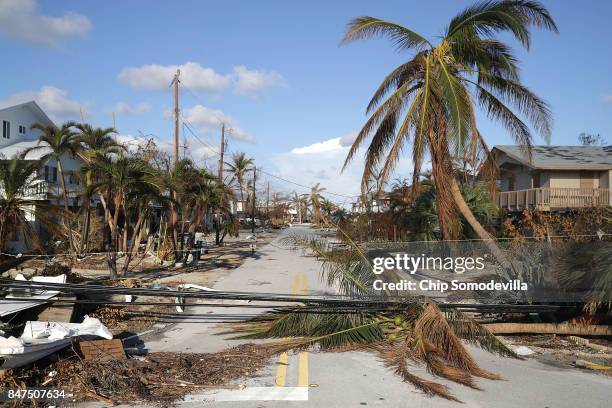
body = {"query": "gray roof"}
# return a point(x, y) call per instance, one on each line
point(562, 157)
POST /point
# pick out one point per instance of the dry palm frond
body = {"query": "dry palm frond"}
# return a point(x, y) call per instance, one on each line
point(433, 328)
point(396, 356)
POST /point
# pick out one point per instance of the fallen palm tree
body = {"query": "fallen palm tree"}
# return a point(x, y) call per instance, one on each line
point(418, 334)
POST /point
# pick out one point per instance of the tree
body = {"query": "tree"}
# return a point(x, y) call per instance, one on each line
point(591, 139)
point(59, 141)
point(300, 203)
point(18, 207)
point(238, 167)
point(315, 202)
point(430, 99)
point(116, 179)
point(327, 207)
point(93, 141)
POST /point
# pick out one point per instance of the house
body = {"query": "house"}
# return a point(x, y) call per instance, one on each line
point(16, 137)
point(381, 202)
point(555, 178)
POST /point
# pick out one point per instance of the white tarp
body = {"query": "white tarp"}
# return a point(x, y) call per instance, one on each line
point(40, 339)
point(8, 307)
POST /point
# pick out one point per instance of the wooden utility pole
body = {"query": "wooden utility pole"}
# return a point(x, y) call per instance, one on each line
point(218, 212)
point(175, 83)
point(254, 189)
point(175, 216)
point(267, 201)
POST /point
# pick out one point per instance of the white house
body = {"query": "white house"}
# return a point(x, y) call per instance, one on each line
point(16, 136)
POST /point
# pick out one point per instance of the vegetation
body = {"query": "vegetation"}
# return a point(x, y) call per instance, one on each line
point(412, 332)
point(430, 100)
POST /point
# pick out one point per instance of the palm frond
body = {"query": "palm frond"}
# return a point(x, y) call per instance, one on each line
point(367, 27)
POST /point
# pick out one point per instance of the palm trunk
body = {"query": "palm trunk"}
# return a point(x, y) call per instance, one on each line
point(60, 168)
point(476, 226)
point(84, 246)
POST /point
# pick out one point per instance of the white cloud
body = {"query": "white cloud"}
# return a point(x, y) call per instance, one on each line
point(330, 145)
point(607, 99)
point(196, 77)
point(158, 77)
point(19, 19)
point(209, 120)
point(52, 100)
point(252, 82)
point(125, 108)
point(322, 163)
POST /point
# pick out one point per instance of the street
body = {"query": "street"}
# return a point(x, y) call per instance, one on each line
point(311, 379)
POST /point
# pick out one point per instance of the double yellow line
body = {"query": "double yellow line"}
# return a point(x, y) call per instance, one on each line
point(300, 286)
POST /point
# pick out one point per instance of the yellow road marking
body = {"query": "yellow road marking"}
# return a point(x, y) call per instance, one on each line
point(303, 369)
point(283, 359)
point(281, 371)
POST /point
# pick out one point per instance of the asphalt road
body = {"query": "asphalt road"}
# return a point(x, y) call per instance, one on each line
point(357, 379)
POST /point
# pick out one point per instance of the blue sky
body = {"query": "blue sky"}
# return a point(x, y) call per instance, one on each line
point(272, 70)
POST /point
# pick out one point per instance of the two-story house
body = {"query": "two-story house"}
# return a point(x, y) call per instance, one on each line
point(16, 136)
point(554, 178)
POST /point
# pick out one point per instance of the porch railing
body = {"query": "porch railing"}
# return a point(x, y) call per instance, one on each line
point(553, 198)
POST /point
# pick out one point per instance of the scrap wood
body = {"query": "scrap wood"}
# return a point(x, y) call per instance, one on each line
point(549, 328)
point(592, 366)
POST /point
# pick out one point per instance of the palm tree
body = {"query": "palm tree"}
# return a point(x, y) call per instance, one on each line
point(60, 141)
point(327, 207)
point(94, 141)
point(315, 202)
point(299, 202)
point(239, 166)
point(17, 207)
point(115, 179)
point(430, 100)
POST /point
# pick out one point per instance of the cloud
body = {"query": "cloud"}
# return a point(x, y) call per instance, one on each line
point(19, 19)
point(122, 107)
point(209, 120)
point(52, 100)
point(252, 82)
point(330, 145)
point(607, 99)
point(321, 163)
point(158, 77)
point(198, 78)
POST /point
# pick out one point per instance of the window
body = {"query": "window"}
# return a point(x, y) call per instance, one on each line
point(6, 129)
point(47, 173)
point(22, 130)
point(54, 173)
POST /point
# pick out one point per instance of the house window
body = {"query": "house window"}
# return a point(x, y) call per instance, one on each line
point(54, 169)
point(47, 173)
point(22, 130)
point(6, 129)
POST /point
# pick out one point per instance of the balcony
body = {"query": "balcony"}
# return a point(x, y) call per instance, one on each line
point(37, 190)
point(547, 199)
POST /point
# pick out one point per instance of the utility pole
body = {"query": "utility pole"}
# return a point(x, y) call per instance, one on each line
point(254, 189)
point(175, 83)
point(175, 216)
point(218, 212)
point(267, 201)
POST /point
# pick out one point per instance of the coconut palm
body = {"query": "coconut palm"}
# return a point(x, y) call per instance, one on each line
point(430, 100)
point(411, 332)
point(115, 179)
point(58, 142)
point(238, 167)
point(17, 206)
point(327, 207)
point(315, 202)
point(94, 141)
point(300, 203)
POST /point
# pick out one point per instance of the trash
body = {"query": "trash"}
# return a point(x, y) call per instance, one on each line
point(39, 339)
point(522, 350)
point(180, 301)
point(8, 307)
point(591, 366)
point(100, 350)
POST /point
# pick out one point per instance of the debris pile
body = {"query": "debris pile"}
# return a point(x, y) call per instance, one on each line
point(159, 377)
